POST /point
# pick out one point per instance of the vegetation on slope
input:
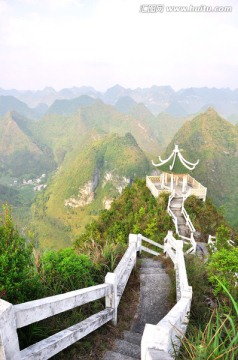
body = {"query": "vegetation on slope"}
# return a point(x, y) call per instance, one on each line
point(20, 154)
point(135, 211)
point(96, 252)
point(27, 274)
point(87, 180)
point(214, 141)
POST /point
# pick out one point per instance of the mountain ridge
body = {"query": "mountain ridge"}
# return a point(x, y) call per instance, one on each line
point(214, 141)
point(156, 98)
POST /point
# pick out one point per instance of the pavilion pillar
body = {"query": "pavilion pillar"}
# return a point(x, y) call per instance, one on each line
point(162, 180)
point(184, 183)
point(172, 182)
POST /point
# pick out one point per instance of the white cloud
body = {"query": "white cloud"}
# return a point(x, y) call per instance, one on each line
point(71, 41)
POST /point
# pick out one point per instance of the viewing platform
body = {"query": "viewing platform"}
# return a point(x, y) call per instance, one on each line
point(157, 185)
point(175, 177)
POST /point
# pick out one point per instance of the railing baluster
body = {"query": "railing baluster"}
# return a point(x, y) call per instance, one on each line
point(9, 344)
point(111, 298)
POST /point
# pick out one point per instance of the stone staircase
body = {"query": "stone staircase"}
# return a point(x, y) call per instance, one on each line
point(176, 207)
point(153, 306)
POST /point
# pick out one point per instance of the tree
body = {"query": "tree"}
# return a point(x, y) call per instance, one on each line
point(18, 280)
point(223, 265)
point(222, 238)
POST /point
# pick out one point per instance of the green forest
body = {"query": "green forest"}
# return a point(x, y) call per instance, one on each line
point(27, 273)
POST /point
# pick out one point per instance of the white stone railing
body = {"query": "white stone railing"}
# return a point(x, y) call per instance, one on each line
point(159, 341)
point(212, 243)
point(151, 185)
point(197, 189)
point(13, 317)
point(146, 249)
point(172, 195)
point(152, 181)
point(174, 218)
point(191, 241)
point(189, 223)
point(188, 220)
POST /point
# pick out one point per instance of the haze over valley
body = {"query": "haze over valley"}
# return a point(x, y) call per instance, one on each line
point(66, 155)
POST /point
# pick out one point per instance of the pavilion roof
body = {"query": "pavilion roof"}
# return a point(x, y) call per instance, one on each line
point(175, 163)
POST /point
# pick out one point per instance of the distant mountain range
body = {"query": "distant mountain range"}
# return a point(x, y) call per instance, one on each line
point(68, 123)
point(92, 144)
point(156, 98)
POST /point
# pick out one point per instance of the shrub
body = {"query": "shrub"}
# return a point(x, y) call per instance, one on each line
point(223, 265)
point(64, 271)
point(19, 281)
point(198, 279)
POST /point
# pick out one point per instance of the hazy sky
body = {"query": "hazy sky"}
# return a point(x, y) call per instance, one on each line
point(99, 43)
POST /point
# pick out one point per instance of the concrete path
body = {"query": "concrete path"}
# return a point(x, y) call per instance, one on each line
point(176, 207)
point(153, 306)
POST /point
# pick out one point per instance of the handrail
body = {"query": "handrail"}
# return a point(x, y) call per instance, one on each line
point(197, 188)
point(150, 183)
point(13, 317)
point(37, 310)
point(171, 197)
point(152, 187)
point(187, 219)
point(162, 339)
point(151, 242)
point(211, 243)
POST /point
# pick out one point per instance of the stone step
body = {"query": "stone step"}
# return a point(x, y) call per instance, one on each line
point(181, 222)
point(133, 337)
point(175, 206)
point(152, 271)
point(126, 348)
point(158, 278)
point(112, 355)
point(151, 263)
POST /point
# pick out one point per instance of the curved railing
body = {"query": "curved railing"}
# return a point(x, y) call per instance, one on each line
point(156, 338)
point(160, 341)
point(13, 317)
point(188, 221)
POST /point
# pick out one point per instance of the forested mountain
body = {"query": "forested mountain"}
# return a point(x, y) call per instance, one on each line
point(214, 141)
point(20, 153)
point(76, 129)
point(87, 181)
point(11, 103)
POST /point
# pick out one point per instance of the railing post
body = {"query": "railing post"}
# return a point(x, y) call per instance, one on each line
point(166, 242)
point(9, 344)
point(111, 299)
point(139, 242)
point(136, 240)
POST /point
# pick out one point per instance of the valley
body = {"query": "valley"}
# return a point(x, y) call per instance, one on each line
point(90, 147)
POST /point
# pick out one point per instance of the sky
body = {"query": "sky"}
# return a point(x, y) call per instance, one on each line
point(100, 43)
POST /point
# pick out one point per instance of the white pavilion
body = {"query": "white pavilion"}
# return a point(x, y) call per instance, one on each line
point(175, 177)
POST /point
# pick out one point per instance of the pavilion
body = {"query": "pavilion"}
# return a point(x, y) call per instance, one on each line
point(175, 176)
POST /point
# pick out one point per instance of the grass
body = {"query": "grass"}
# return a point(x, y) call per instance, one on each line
point(93, 346)
point(219, 340)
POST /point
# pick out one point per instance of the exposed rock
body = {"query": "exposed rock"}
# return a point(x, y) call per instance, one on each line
point(107, 203)
point(86, 193)
point(119, 182)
